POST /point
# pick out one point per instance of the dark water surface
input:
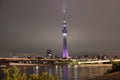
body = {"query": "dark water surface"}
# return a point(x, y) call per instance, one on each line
point(66, 72)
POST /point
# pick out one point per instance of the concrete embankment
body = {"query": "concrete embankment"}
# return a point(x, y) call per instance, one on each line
point(82, 65)
point(110, 76)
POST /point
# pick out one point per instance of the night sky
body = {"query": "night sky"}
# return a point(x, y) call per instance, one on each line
point(32, 26)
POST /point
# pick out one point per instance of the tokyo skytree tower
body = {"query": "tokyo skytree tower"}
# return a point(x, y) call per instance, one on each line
point(64, 31)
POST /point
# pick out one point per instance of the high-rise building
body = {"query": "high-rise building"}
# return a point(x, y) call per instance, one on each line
point(48, 53)
point(64, 31)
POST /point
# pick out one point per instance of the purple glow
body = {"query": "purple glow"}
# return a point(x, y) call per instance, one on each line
point(65, 53)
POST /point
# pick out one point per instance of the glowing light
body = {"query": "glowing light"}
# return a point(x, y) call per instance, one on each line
point(64, 21)
point(37, 67)
point(37, 71)
point(64, 25)
point(56, 66)
point(64, 34)
point(69, 66)
point(75, 66)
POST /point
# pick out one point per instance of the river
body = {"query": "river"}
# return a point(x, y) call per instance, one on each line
point(67, 72)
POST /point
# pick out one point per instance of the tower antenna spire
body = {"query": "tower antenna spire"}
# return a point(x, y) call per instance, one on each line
point(64, 11)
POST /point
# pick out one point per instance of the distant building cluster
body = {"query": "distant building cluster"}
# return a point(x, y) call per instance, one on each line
point(51, 55)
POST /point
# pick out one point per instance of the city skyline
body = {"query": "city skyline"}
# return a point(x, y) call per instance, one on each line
point(28, 26)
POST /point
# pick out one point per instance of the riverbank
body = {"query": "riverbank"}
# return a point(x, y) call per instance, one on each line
point(83, 65)
point(111, 76)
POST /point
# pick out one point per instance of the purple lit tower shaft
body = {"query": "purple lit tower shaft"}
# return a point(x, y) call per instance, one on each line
point(64, 31)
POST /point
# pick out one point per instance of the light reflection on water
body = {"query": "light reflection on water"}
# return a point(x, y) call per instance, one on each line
point(67, 72)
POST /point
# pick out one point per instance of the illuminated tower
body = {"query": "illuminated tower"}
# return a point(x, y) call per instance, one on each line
point(64, 31)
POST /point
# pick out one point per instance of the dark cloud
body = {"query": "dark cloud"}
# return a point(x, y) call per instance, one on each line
point(32, 26)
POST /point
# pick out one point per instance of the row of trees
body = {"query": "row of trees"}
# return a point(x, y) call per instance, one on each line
point(18, 75)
